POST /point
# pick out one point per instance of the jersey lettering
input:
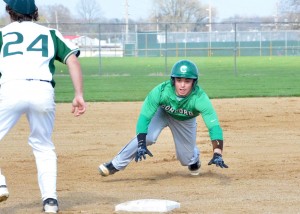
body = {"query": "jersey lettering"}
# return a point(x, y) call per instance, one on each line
point(169, 109)
point(44, 45)
point(19, 40)
point(40, 43)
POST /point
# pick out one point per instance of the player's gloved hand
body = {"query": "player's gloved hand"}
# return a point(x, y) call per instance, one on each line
point(142, 148)
point(218, 160)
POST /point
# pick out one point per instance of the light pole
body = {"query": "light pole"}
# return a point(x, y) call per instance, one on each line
point(209, 16)
point(56, 19)
point(209, 28)
point(126, 20)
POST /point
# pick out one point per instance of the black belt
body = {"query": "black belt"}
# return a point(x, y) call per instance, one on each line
point(39, 80)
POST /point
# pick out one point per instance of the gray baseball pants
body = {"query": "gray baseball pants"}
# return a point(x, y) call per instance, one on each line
point(184, 136)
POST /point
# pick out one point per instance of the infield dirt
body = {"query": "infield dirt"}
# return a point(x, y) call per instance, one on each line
point(262, 149)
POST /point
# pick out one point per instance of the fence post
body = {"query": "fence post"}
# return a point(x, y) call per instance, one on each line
point(166, 49)
point(286, 43)
point(100, 61)
point(235, 48)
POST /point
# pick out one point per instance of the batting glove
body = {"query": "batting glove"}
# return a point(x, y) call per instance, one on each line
point(141, 153)
point(142, 150)
point(218, 160)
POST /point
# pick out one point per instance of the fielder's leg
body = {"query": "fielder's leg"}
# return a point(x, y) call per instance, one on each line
point(11, 108)
point(41, 117)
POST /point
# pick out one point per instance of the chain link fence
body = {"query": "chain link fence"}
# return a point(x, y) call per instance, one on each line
point(165, 40)
point(184, 39)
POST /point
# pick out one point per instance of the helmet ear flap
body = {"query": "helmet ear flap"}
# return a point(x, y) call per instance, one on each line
point(173, 80)
point(195, 83)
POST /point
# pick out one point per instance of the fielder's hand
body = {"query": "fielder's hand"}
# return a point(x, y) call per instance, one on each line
point(78, 106)
point(218, 160)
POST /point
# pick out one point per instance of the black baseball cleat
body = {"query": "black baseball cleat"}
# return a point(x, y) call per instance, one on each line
point(195, 168)
point(50, 205)
point(107, 169)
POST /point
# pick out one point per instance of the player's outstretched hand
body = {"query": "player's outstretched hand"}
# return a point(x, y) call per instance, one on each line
point(142, 152)
point(78, 106)
point(218, 160)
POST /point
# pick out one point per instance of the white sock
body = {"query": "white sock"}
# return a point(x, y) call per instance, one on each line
point(2, 179)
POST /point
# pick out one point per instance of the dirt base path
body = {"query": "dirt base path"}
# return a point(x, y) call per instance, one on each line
point(262, 149)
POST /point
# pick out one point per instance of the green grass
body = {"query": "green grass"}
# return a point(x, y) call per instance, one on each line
point(131, 78)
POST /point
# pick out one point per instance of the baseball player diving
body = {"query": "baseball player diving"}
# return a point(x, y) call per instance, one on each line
point(27, 55)
point(175, 104)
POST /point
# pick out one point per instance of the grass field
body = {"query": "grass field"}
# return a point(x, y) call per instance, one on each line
point(131, 78)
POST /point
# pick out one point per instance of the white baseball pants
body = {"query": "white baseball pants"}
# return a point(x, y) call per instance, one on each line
point(35, 99)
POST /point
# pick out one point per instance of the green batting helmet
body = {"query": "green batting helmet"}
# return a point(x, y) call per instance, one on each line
point(24, 7)
point(185, 69)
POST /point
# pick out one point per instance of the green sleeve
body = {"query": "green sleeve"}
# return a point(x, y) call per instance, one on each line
point(149, 107)
point(209, 116)
point(1, 44)
point(216, 133)
point(1, 41)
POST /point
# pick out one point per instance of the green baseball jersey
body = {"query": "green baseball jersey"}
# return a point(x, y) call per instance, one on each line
point(195, 104)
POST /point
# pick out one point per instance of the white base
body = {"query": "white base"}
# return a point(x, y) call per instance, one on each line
point(148, 205)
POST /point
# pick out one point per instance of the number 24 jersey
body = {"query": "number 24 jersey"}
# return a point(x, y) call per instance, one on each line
point(35, 48)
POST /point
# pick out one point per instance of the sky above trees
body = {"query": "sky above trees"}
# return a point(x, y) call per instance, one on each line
point(143, 8)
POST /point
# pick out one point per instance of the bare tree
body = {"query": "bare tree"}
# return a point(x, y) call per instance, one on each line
point(89, 10)
point(180, 11)
point(289, 9)
point(4, 20)
point(289, 6)
point(55, 15)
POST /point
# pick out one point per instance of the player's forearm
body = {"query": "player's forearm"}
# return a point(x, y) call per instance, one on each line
point(217, 146)
point(75, 74)
point(77, 84)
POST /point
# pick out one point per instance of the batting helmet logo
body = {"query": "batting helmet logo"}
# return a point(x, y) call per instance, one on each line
point(183, 69)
